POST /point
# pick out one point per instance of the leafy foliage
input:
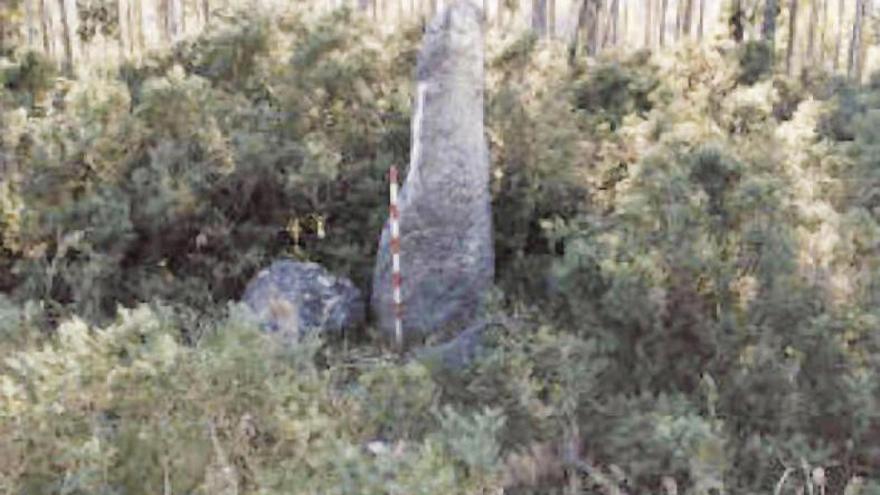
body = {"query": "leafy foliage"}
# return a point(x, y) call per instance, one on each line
point(687, 240)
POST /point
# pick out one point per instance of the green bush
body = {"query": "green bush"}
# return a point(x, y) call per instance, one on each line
point(109, 411)
point(686, 249)
point(756, 61)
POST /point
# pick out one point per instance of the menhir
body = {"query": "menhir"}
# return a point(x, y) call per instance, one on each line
point(447, 252)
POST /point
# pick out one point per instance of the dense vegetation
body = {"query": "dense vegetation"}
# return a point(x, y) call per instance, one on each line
point(687, 250)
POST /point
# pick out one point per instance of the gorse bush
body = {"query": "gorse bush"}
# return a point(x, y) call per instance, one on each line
point(756, 61)
point(184, 202)
point(686, 254)
point(106, 411)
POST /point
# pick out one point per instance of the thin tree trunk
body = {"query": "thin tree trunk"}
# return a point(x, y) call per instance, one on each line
point(174, 11)
point(539, 17)
point(121, 6)
point(615, 22)
point(141, 38)
point(46, 27)
point(702, 20)
point(577, 11)
point(602, 26)
point(688, 17)
point(581, 35)
point(737, 19)
point(869, 15)
point(823, 36)
point(67, 37)
point(853, 68)
point(768, 31)
point(164, 21)
point(811, 33)
point(551, 18)
point(649, 22)
point(838, 44)
point(183, 16)
point(792, 35)
point(679, 21)
point(129, 15)
point(28, 23)
point(664, 8)
point(593, 28)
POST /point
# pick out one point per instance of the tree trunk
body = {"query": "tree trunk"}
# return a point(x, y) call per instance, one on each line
point(736, 21)
point(67, 37)
point(702, 20)
point(183, 17)
point(688, 18)
point(838, 43)
point(164, 21)
point(593, 27)
point(539, 17)
point(792, 35)
point(28, 23)
point(551, 18)
point(2, 37)
point(122, 34)
point(141, 38)
point(45, 26)
point(768, 31)
point(615, 22)
point(679, 11)
point(603, 24)
point(664, 8)
point(174, 17)
point(649, 22)
point(853, 68)
point(811, 33)
point(823, 36)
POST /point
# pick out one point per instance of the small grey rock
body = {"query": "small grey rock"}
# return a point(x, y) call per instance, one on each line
point(296, 299)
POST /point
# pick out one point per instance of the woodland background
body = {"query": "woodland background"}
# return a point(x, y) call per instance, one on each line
point(687, 238)
point(80, 34)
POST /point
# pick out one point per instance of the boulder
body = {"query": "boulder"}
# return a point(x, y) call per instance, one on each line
point(447, 252)
point(295, 299)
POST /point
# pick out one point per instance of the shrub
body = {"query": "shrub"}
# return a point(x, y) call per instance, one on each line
point(756, 61)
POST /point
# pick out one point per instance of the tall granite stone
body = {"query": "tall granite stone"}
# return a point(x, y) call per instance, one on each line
point(447, 252)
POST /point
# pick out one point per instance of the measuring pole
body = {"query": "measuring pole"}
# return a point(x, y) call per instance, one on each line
point(395, 259)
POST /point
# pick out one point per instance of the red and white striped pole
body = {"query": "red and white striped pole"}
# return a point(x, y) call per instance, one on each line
point(395, 259)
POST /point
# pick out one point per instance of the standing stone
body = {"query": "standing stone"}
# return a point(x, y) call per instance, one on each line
point(447, 252)
point(295, 299)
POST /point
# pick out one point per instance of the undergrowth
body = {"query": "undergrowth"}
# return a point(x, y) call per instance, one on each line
point(687, 249)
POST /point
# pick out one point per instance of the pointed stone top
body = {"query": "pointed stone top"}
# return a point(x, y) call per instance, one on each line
point(459, 14)
point(453, 37)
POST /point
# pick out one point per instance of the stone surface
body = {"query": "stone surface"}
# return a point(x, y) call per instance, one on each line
point(447, 251)
point(295, 299)
point(459, 353)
